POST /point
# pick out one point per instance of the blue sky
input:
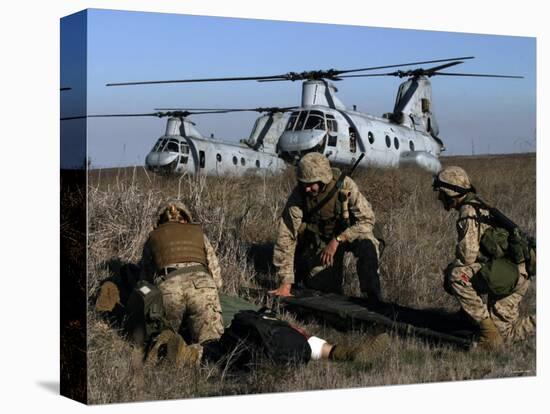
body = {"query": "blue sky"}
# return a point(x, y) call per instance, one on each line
point(497, 115)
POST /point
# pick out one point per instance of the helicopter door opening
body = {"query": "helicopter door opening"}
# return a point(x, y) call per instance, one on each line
point(202, 159)
point(352, 140)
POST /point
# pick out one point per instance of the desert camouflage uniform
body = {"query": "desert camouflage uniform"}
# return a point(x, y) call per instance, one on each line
point(192, 296)
point(460, 281)
point(358, 238)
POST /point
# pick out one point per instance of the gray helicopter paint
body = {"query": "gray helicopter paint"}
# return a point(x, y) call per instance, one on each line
point(410, 134)
point(320, 92)
point(208, 157)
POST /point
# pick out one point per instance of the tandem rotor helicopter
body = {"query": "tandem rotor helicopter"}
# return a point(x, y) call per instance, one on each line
point(407, 135)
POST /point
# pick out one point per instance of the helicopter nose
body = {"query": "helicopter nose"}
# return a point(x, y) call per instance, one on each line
point(292, 141)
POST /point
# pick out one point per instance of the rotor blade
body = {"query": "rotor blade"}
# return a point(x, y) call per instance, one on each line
point(225, 110)
point(196, 80)
point(369, 75)
point(68, 118)
point(272, 80)
point(106, 116)
point(194, 109)
point(481, 75)
point(446, 65)
point(406, 64)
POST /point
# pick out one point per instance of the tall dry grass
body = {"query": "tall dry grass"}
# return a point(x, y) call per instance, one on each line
point(240, 216)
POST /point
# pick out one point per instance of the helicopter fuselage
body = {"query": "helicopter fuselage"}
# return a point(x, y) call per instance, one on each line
point(174, 154)
point(342, 135)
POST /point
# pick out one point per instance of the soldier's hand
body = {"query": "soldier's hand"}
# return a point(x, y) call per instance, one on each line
point(327, 255)
point(282, 290)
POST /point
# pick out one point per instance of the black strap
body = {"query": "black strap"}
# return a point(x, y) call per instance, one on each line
point(328, 197)
point(437, 184)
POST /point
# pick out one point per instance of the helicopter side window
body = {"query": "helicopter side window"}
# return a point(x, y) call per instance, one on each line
point(301, 121)
point(371, 138)
point(395, 142)
point(388, 141)
point(243, 162)
point(411, 145)
point(292, 121)
point(332, 126)
point(257, 163)
point(219, 157)
point(235, 161)
point(172, 146)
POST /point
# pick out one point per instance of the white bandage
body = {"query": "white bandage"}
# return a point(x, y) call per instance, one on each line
point(316, 345)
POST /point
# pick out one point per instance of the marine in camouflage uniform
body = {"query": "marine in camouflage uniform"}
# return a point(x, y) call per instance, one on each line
point(312, 240)
point(180, 260)
point(498, 319)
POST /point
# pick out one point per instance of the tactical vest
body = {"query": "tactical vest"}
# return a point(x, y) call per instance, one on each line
point(499, 269)
point(174, 242)
point(328, 221)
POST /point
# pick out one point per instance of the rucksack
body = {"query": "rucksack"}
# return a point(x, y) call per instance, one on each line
point(254, 334)
point(146, 317)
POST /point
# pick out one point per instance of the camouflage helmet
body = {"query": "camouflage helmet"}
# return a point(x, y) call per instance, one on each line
point(178, 204)
point(314, 167)
point(455, 178)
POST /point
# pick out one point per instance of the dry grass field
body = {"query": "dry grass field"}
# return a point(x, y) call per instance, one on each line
point(240, 215)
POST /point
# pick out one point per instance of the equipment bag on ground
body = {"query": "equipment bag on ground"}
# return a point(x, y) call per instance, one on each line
point(146, 317)
point(261, 334)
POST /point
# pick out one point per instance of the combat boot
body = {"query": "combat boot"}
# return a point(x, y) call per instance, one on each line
point(108, 297)
point(180, 354)
point(159, 348)
point(489, 336)
point(365, 353)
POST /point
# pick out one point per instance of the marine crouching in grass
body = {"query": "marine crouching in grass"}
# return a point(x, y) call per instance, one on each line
point(179, 259)
point(325, 216)
point(492, 257)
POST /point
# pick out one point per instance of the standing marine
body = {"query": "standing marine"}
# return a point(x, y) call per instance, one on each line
point(488, 260)
point(325, 216)
point(179, 259)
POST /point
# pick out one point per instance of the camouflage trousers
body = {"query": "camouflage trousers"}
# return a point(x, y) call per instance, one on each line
point(312, 274)
point(191, 300)
point(503, 311)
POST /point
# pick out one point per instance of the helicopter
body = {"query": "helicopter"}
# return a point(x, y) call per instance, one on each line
point(183, 149)
point(407, 135)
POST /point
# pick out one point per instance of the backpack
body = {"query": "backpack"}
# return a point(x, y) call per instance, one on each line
point(146, 317)
point(502, 248)
point(254, 334)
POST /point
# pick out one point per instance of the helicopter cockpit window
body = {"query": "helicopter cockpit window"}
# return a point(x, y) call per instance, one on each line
point(159, 144)
point(292, 121)
point(301, 121)
point(316, 120)
point(184, 148)
point(172, 146)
